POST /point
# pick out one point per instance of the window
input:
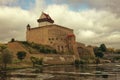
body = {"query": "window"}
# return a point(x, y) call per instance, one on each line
point(49, 39)
point(52, 38)
point(62, 48)
point(58, 48)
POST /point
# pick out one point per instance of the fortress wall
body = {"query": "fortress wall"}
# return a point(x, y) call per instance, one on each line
point(85, 51)
point(57, 37)
point(59, 59)
point(36, 35)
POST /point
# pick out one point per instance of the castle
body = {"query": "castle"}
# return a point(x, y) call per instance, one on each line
point(60, 38)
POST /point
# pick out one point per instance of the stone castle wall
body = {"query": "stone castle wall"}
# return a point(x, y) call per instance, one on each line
point(53, 35)
point(85, 50)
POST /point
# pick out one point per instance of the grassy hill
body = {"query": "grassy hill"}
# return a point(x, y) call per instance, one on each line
point(32, 50)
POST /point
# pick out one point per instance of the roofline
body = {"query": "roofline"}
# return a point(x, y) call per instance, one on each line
point(51, 25)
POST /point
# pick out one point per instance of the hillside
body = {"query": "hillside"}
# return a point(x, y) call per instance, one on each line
point(30, 48)
point(49, 55)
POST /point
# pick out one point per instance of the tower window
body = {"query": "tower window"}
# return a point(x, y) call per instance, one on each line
point(52, 38)
point(62, 48)
point(49, 38)
point(58, 48)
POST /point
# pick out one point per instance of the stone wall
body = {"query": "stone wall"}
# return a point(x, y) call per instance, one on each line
point(52, 35)
point(59, 59)
point(85, 50)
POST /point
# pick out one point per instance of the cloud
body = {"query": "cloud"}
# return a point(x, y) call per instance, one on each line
point(90, 26)
point(7, 2)
point(13, 23)
point(110, 5)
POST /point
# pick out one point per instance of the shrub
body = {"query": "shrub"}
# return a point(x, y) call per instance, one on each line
point(82, 61)
point(36, 61)
point(21, 55)
point(6, 58)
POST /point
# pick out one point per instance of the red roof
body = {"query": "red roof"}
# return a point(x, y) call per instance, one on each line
point(48, 18)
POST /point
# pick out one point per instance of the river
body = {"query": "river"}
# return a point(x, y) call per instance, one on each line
point(109, 71)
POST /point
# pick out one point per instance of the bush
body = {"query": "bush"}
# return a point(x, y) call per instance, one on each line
point(40, 48)
point(77, 63)
point(82, 61)
point(36, 61)
point(6, 58)
point(21, 55)
point(117, 58)
point(99, 54)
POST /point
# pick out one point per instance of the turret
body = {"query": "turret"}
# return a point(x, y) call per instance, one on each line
point(28, 27)
point(44, 20)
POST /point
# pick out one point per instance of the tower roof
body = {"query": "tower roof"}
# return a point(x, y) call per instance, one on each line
point(45, 18)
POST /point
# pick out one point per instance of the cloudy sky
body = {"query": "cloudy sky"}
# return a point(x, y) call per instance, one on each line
point(94, 21)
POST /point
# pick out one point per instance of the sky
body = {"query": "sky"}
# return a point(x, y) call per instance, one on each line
point(94, 21)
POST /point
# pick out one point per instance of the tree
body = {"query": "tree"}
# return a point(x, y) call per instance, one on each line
point(21, 55)
point(6, 58)
point(103, 48)
point(99, 54)
point(36, 61)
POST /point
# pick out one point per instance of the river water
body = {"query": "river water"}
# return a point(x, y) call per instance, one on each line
point(70, 72)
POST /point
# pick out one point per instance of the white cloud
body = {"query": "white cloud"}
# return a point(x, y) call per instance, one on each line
point(13, 23)
point(90, 26)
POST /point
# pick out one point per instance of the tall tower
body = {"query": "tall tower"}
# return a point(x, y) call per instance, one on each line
point(44, 20)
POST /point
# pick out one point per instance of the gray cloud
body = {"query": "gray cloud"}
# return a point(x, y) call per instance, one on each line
point(110, 5)
point(13, 23)
point(90, 26)
point(7, 2)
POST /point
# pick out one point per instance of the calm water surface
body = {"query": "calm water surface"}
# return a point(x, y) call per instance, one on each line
point(70, 72)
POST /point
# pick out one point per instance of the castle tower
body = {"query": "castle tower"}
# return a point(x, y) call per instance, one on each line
point(72, 46)
point(45, 20)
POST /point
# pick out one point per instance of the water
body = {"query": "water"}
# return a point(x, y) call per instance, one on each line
point(70, 72)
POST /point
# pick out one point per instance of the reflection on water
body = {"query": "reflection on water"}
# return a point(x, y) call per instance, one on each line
point(83, 72)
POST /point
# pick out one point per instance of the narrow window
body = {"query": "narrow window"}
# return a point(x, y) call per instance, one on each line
point(58, 48)
point(62, 48)
point(49, 38)
point(52, 38)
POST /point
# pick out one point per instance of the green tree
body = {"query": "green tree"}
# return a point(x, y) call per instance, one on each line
point(99, 54)
point(36, 61)
point(103, 48)
point(6, 58)
point(33, 60)
point(21, 55)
